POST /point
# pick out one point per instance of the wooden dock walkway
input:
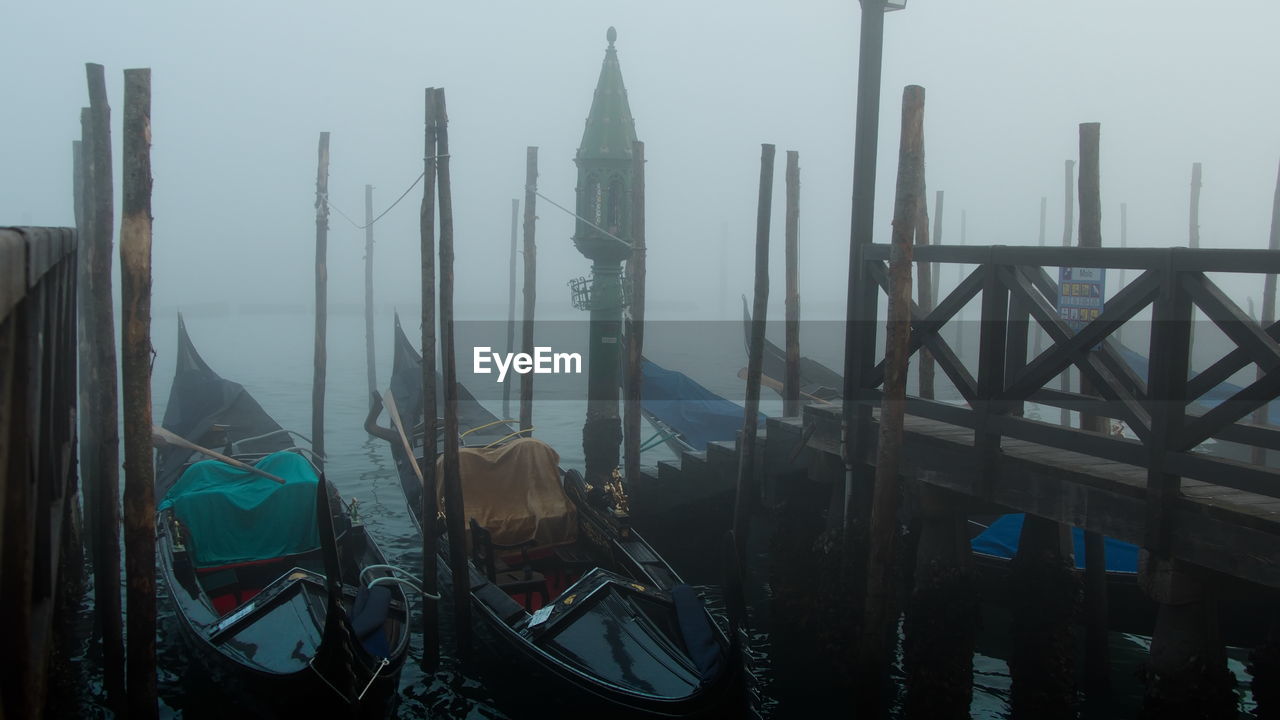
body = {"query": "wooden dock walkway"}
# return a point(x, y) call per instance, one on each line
point(1161, 490)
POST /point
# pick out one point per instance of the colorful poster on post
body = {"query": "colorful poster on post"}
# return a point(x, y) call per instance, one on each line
point(1081, 295)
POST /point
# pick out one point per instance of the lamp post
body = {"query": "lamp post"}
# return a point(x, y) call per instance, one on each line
point(602, 234)
point(860, 312)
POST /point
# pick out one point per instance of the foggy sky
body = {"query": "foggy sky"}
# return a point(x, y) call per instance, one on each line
point(241, 91)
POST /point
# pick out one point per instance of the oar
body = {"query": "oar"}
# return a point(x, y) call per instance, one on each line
point(773, 384)
point(390, 401)
point(160, 435)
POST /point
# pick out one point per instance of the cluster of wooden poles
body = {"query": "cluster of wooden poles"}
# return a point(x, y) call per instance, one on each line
point(1043, 684)
point(129, 679)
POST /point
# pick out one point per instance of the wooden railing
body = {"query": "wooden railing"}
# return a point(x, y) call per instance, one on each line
point(1162, 409)
point(37, 458)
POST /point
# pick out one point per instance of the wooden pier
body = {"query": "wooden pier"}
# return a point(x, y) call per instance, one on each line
point(37, 451)
point(1201, 519)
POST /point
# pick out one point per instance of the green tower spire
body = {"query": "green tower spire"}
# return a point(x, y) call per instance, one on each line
point(602, 234)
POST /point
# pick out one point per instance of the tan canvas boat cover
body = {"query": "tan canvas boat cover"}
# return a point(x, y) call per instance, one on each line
point(514, 492)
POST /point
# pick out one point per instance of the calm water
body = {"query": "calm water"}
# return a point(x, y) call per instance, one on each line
point(271, 356)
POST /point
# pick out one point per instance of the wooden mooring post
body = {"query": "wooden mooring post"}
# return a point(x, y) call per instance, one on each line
point(511, 304)
point(1044, 211)
point(1097, 666)
point(960, 334)
point(322, 283)
point(453, 506)
point(942, 612)
point(1193, 230)
point(924, 290)
point(791, 386)
point(635, 321)
point(429, 501)
point(370, 359)
point(935, 272)
point(86, 432)
point(879, 611)
point(745, 495)
point(1268, 308)
point(104, 461)
point(530, 283)
point(135, 357)
point(1045, 592)
point(1067, 222)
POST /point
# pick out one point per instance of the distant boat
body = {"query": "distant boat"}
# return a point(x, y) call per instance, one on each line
point(265, 596)
point(686, 414)
point(559, 576)
point(818, 383)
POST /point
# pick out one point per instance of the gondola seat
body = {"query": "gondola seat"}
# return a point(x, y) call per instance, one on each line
point(524, 581)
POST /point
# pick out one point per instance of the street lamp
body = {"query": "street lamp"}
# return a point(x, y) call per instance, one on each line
point(891, 5)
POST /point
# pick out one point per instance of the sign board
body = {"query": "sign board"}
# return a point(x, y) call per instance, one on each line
point(1081, 295)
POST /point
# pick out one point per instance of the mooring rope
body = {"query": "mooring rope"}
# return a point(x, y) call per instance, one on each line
point(338, 210)
point(576, 215)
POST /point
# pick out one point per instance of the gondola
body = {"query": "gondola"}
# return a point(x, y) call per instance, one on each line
point(279, 591)
point(560, 579)
point(818, 383)
point(685, 414)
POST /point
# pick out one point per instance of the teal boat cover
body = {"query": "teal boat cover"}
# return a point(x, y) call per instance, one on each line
point(233, 516)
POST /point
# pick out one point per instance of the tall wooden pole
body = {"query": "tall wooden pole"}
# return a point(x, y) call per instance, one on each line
point(1068, 218)
point(85, 334)
point(1193, 241)
point(878, 623)
point(1044, 212)
point(135, 358)
point(511, 305)
point(530, 281)
point(1193, 238)
point(77, 531)
point(791, 386)
point(102, 412)
point(964, 222)
point(453, 506)
point(635, 320)
point(1268, 309)
point(722, 302)
point(925, 292)
point(1124, 236)
point(935, 273)
point(370, 360)
point(755, 361)
point(322, 282)
point(429, 503)
point(1097, 657)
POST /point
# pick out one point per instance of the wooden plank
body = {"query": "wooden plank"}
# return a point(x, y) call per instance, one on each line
point(1252, 262)
point(1234, 322)
point(13, 265)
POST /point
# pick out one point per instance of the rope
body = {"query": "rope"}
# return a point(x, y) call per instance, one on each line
point(486, 425)
point(409, 580)
point(576, 215)
point(504, 438)
point(655, 440)
point(338, 210)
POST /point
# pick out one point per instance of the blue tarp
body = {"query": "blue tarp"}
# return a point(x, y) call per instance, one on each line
point(1215, 395)
point(699, 415)
point(233, 516)
point(1001, 540)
